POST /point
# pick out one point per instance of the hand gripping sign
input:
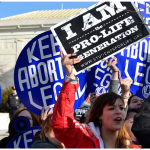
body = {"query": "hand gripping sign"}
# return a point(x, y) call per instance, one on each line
point(24, 140)
point(39, 75)
point(95, 33)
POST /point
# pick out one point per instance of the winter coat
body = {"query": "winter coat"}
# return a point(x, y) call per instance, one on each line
point(67, 129)
point(141, 124)
point(13, 102)
point(5, 141)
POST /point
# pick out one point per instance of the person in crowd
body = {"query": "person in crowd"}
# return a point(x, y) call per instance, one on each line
point(141, 124)
point(132, 101)
point(13, 102)
point(135, 102)
point(47, 138)
point(105, 128)
point(113, 87)
point(40, 119)
point(128, 124)
point(23, 111)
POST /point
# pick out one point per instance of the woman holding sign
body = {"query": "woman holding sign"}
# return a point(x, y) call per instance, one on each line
point(105, 128)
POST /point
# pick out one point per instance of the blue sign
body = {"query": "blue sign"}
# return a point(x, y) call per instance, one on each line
point(39, 74)
point(24, 140)
point(144, 8)
point(134, 63)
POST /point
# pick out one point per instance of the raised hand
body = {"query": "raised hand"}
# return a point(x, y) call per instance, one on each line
point(125, 85)
point(67, 63)
point(46, 113)
point(112, 64)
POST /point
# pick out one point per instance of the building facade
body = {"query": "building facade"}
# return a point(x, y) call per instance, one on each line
point(17, 31)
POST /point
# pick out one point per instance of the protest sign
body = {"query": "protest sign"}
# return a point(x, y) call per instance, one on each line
point(24, 140)
point(102, 30)
point(133, 63)
point(144, 8)
point(39, 75)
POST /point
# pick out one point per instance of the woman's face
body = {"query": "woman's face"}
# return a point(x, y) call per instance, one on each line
point(113, 116)
point(26, 114)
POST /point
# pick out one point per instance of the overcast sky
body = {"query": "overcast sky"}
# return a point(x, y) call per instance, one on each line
point(14, 8)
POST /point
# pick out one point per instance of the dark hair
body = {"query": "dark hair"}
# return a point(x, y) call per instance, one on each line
point(11, 129)
point(83, 118)
point(131, 110)
point(46, 128)
point(97, 110)
point(38, 117)
point(100, 102)
point(129, 100)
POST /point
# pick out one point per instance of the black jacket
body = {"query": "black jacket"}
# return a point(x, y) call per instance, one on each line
point(42, 144)
point(4, 142)
point(141, 125)
point(13, 102)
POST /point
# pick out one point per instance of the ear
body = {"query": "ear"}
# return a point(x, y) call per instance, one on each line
point(100, 117)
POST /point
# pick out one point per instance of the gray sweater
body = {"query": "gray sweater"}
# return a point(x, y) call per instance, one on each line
point(113, 87)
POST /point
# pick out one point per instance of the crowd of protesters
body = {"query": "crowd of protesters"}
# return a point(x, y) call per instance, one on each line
point(107, 124)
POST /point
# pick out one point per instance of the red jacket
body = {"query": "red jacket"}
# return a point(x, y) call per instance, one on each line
point(66, 128)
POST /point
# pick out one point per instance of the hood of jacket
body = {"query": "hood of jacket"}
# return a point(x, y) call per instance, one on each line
point(94, 131)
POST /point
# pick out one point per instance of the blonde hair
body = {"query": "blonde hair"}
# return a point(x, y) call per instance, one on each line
point(46, 127)
point(123, 138)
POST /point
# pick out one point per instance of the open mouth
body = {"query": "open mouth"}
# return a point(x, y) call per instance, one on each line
point(118, 119)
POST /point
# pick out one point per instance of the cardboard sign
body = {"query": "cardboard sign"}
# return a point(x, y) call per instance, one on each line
point(24, 140)
point(39, 74)
point(99, 32)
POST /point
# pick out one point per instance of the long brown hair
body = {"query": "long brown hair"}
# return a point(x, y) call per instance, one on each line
point(38, 117)
point(11, 129)
point(97, 110)
point(46, 127)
